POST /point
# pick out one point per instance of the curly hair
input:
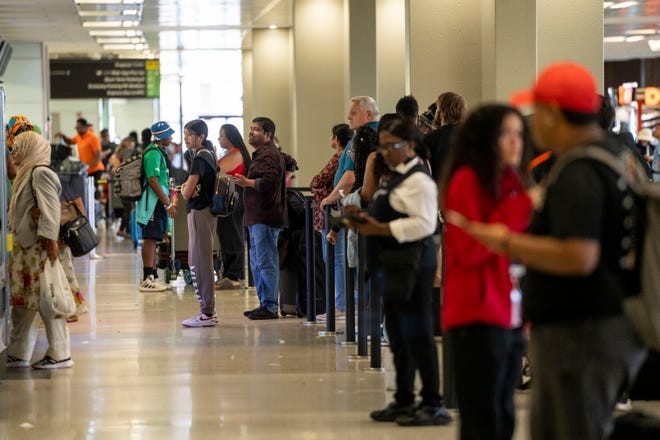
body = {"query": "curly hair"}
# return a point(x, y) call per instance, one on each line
point(364, 142)
point(476, 144)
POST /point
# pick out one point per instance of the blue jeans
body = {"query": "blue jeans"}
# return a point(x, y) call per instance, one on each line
point(264, 262)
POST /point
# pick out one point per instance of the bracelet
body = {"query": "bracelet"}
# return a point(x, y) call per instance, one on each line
point(168, 206)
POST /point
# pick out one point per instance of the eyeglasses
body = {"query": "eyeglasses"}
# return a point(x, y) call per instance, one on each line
point(391, 145)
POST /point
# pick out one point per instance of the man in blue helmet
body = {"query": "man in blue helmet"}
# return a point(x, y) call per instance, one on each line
point(155, 205)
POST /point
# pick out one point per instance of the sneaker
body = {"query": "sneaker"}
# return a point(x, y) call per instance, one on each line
point(425, 416)
point(14, 362)
point(263, 313)
point(48, 363)
point(227, 284)
point(151, 285)
point(391, 412)
point(249, 312)
point(624, 403)
point(201, 320)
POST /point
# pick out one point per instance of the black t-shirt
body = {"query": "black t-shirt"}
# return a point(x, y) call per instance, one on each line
point(584, 202)
point(202, 167)
point(438, 142)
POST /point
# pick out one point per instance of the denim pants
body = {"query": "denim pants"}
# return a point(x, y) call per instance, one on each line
point(340, 267)
point(264, 262)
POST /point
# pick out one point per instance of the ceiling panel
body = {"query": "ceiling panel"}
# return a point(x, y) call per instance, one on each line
point(226, 24)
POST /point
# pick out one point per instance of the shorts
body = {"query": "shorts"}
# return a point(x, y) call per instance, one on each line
point(157, 224)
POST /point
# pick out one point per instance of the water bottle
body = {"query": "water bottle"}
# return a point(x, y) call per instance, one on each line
point(516, 272)
point(173, 192)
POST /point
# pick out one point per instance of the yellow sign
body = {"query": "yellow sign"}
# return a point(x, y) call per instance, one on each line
point(651, 96)
point(10, 242)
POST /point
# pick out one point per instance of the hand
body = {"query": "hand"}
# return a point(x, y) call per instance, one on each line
point(369, 225)
point(495, 236)
point(352, 210)
point(331, 237)
point(52, 249)
point(325, 202)
point(240, 180)
point(171, 211)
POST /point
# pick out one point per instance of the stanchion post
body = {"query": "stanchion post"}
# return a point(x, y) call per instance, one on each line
point(350, 303)
point(362, 343)
point(329, 281)
point(375, 314)
point(91, 208)
point(309, 261)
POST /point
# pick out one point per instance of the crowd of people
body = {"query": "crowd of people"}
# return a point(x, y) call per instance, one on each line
point(448, 204)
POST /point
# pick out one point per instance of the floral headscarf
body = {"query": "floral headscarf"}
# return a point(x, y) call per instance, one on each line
point(16, 125)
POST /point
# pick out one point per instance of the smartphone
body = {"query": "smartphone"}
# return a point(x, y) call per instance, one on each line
point(343, 221)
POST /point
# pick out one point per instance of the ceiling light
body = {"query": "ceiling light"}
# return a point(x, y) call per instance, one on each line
point(623, 5)
point(640, 32)
point(118, 46)
point(130, 12)
point(654, 45)
point(614, 39)
point(115, 33)
point(272, 26)
point(101, 24)
point(130, 23)
point(119, 40)
point(634, 38)
point(607, 5)
point(98, 13)
point(109, 2)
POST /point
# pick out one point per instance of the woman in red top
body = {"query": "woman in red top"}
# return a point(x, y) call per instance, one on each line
point(231, 230)
point(481, 182)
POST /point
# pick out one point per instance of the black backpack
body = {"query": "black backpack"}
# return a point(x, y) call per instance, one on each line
point(224, 196)
point(128, 182)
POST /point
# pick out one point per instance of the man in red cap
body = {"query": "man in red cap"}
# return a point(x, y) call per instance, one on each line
point(582, 348)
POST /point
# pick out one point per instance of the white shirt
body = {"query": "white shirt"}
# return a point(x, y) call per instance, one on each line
point(416, 196)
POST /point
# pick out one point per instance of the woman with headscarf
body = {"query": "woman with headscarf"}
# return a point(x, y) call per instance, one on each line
point(34, 220)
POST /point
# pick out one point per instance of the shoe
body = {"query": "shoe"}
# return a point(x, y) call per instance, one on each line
point(161, 283)
point(624, 403)
point(151, 285)
point(48, 363)
point(72, 318)
point(339, 316)
point(426, 416)
point(14, 362)
point(201, 320)
point(263, 313)
point(227, 284)
point(249, 312)
point(391, 412)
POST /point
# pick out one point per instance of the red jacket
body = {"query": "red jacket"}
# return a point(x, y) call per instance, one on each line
point(477, 284)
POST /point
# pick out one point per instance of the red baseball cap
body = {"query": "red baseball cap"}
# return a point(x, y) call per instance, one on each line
point(569, 85)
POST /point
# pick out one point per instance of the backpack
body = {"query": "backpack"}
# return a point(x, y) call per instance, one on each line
point(642, 306)
point(224, 196)
point(128, 182)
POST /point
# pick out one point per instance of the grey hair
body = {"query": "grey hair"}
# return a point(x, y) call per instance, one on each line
point(366, 103)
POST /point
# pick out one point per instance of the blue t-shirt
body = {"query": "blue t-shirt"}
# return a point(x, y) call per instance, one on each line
point(346, 161)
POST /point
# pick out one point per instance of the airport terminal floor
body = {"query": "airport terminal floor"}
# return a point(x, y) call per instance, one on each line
point(139, 375)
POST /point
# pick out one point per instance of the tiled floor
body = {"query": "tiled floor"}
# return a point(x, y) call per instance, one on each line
point(139, 375)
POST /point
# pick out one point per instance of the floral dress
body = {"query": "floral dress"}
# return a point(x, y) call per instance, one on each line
point(322, 185)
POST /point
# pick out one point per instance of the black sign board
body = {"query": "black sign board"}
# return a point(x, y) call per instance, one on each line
point(72, 79)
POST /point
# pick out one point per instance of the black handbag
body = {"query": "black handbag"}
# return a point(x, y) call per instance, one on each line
point(79, 235)
point(400, 268)
point(76, 233)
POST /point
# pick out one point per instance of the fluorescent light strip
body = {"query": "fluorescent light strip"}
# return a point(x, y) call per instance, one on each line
point(654, 45)
point(116, 33)
point(109, 2)
point(619, 39)
point(101, 24)
point(635, 38)
point(623, 5)
point(641, 32)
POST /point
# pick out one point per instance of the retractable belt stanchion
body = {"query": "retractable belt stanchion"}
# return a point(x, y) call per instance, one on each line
point(350, 303)
point(375, 314)
point(362, 342)
point(309, 261)
point(90, 188)
point(330, 329)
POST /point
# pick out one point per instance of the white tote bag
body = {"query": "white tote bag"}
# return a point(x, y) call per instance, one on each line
point(56, 300)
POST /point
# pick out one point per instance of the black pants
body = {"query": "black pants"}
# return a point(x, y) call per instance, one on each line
point(410, 328)
point(487, 362)
point(231, 234)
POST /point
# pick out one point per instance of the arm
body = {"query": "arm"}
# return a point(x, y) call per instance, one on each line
point(188, 189)
point(97, 153)
point(47, 189)
point(343, 186)
point(65, 139)
point(369, 184)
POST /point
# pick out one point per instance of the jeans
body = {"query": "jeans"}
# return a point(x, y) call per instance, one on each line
point(264, 262)
point(340, 271)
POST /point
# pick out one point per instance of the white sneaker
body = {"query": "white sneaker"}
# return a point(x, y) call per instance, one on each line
point(161, 283)
point(201, 320)
point(151, 285)
point(14, 362)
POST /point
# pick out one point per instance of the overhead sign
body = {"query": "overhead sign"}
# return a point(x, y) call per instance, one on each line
point(72, 79)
